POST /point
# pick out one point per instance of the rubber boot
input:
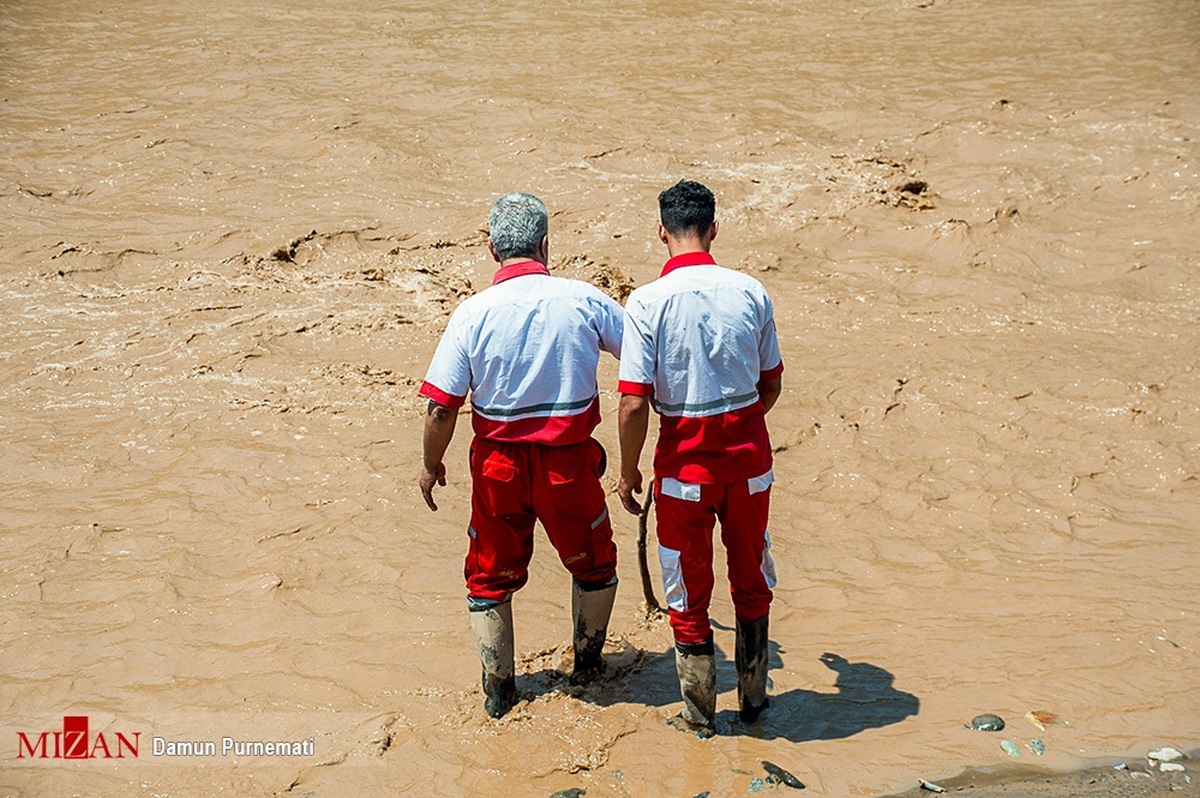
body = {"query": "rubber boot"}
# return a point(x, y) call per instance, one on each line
point(750, 656)
point(493, 629)
point(591, 610)
point(697, 672)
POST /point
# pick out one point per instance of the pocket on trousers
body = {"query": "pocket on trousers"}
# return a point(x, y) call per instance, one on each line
point(499, 468)
point(762, 482)
point(679, 490)
point(767, 566)
point(674, 588)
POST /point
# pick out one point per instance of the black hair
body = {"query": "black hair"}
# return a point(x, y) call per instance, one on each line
point(687, 208)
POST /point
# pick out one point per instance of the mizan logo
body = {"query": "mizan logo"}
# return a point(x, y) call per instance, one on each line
point(75, 742)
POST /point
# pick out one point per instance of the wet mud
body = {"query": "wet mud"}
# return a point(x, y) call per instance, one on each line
point(231, 237)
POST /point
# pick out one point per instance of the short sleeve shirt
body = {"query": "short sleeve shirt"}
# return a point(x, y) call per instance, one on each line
point(698, 341)
point(526, 350)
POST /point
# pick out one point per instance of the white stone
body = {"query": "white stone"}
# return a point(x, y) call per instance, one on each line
point(1164, 754)
point(1171, 767)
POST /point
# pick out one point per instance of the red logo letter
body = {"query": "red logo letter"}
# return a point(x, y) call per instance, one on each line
point(75, 737)
point(123, 743)
point(36, 751)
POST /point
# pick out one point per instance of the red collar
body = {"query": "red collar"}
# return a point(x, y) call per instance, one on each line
point(687, 259)
point(519, 269)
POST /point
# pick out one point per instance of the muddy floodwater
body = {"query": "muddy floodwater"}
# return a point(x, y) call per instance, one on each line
point(231, 234)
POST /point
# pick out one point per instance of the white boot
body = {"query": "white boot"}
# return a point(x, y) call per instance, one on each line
point(493, 629)
point(697, 672)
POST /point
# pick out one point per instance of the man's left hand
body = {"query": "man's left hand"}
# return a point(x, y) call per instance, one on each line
point(626, 487)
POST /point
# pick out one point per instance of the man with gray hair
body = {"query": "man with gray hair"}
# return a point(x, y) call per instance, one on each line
point(526, 349)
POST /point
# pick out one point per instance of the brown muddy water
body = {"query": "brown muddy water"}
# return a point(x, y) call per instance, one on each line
point(232, 232)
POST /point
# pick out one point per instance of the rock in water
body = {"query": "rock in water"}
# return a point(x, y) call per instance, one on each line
point(756, 785)
point(781, 776)
point(1164, 754)
point(1010, 748)
point(572, 792)
point(987, 722)
point(1037, 746)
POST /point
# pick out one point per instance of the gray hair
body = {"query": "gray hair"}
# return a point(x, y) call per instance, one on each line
point(517, 224)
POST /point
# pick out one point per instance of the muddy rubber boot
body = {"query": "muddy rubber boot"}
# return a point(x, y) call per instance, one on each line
point(697, 672)
point(493, 629)
point(591, 609)
point(750, 656)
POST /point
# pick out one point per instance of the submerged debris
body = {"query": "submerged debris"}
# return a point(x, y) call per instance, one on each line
point(1041, 719)
point(1037, 746)
point(778, 775)
point(931, 787)
point(1010, 748)
point(570, 792)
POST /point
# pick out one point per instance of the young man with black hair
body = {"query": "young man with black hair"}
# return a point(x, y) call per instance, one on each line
point(699, 345)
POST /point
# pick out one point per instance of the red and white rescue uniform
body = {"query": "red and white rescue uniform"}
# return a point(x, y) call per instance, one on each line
point(526, 349)
point(698, 340)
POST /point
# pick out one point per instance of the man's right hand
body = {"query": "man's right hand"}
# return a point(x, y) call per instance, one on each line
point(626, 487)
point(428, 479)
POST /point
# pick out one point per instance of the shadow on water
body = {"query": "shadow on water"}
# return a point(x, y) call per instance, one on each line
point(864, 695)
point(865, 698)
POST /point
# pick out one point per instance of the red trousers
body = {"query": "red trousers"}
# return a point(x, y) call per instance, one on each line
point(514, 484)
point(687, 515)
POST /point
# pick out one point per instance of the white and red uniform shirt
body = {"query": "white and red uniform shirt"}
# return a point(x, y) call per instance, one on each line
point(527, 349)
point(697, 341)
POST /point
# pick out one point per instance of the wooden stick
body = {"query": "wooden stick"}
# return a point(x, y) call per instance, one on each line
point(652, 604)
